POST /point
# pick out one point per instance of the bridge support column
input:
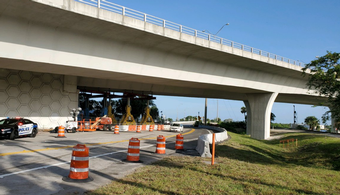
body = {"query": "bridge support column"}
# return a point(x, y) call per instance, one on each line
point(259, 108)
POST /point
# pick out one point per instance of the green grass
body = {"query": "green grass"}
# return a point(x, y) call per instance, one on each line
point(243, 166)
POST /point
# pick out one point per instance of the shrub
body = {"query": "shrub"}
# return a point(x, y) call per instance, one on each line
point(236, 127)
point(300, 127)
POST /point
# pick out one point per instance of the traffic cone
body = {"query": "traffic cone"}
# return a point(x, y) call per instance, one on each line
point(138, 129)
point(116, 129)
point(61, 132)
point(160, 146)
point(179, 142)
point(133, 150)
point(79, 167)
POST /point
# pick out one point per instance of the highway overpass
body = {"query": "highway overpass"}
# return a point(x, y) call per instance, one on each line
point(49, 49)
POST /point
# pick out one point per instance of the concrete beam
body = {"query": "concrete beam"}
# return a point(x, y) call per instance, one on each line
point(259, 108)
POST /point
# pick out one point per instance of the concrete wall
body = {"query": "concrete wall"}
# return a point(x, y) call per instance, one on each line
point(44, 98)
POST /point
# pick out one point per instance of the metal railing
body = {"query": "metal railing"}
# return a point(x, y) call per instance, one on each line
point(109, 6)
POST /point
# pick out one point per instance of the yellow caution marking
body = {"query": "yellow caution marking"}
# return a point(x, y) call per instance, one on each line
point(93, 144)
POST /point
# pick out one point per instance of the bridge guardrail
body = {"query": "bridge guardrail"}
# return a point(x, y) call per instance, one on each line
point(109, 6)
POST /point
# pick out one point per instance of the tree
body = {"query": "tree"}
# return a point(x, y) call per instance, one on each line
point(244, 111)
point(272, 117)
point(324, 79)
point(312, 121)
point(154, 112)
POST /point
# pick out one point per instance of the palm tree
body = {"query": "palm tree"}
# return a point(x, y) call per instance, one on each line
point(312, 121)
point(272, 117)
point(244, 111)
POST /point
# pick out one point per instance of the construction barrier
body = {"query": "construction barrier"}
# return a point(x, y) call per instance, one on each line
point(289, 141)
point(155, 127)
point(79, 167)
point(151, 128)
point(160, 146)
point(132, 127)
point(116, 129)
point(179, 142)
point(61, 132)
point(204, 141)
point(133, 150)
point(138, 129)
point(143, 127)
point(123, 127)
point(86, 125)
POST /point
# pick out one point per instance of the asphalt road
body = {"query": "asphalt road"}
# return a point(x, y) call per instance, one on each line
point(37, 165)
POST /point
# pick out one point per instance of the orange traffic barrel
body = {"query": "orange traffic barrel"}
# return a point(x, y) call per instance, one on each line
point(133, 150)
point(138, 129)
point(159, 127)
point(160, 146)
point(116, 129)
point(61, 132)
point(179, 142)
point(151, 127)
point(79, 167)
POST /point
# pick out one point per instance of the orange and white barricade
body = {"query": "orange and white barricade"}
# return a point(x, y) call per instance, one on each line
point(160, 146)
point(138, 129)
point(133, 150)
point(132, 127)
point(116, 129)
point(79, 167)
point(155, 127)
point(143, 128)
point(151, 128)
point(179, 142)
point(61, 132)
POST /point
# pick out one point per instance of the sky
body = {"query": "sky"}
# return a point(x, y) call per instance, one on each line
point(295, 29)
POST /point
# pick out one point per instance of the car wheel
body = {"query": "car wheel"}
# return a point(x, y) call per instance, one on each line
point(112, 128)
point(105, 127)
point(34, 133)
point(74, 130)
point(13, 135)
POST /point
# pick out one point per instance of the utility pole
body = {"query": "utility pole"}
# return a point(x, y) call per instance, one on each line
point(217, 113)
point(295, 115)
point(205, 111)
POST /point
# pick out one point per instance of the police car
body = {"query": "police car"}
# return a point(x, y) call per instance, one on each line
point(17, 127)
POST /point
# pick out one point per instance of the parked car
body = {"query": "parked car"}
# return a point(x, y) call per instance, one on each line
point(17, 127)
point(176, 127)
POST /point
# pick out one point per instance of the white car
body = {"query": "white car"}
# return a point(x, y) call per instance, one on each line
point(176, 127)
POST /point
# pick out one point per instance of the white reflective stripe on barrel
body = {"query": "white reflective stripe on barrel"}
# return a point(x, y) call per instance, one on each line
point(134, 141)
point(160, 148)
point(178, 144)
point(79, 158)
point(79, 170)
point(133, 154)
point(137, 147)
point(160, 142)
point(78, 149)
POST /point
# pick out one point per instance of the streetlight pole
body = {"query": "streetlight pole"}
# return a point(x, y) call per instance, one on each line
point(205, 111)
point(206, 99)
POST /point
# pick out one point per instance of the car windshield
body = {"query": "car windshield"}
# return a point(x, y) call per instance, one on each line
point(8, 121)
point(176, 125)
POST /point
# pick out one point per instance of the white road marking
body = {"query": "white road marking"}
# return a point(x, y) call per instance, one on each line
point(61, 163)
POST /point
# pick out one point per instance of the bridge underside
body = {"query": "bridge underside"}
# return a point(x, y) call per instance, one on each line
point(55, 48)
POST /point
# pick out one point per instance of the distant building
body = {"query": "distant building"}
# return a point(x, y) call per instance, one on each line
point(229, 120)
